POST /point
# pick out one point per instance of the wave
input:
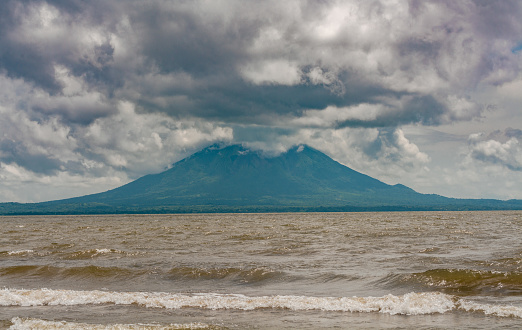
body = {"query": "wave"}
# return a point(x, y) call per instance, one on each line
point(84, 272)
point(463, 281)
point(90, 254)
point(237, 275)
point(60, 251)
point(31, 323)
point(408, 304)
point(511, 264)
point(16, 253)
point(253, 275)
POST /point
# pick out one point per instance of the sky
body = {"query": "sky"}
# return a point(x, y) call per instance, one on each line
point(95, 94)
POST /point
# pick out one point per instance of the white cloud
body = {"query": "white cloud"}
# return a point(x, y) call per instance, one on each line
point(144, 143)
point(77, 102)
point(477, 179)
point(21, 185)
point(506, 154)
point(384, 154)
point(277, 72)
point(462, 108)
point(332, 116)
point(468, 166)
point(329, 79)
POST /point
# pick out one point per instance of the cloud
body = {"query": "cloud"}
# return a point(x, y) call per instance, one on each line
point(488, 167)
point(39, 35)
point(39, 147)
point(142, 144)
point(499, 148)
point(243, 61)
point(117, 89)
point(273, 73)
point(382, 153)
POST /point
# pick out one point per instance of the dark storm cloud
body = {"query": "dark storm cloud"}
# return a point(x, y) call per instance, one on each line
point(241, 102)
point(16, 152)
point(20, 58)
point(30, 49)
point(214, 52)
point(176, 38)
point(228, 54)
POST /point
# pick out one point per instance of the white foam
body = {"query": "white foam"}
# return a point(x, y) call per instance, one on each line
point(19, 252)
point(497, 310)
point(106, 251)
point(28, 324)
point(94, 253)
point(409, 304)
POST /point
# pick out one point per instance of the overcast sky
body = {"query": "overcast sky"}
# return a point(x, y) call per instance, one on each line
point(94, 94)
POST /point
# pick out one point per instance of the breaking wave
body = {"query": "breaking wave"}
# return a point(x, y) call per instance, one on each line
point(31, 323)
point(408, 304)
point(16, 253)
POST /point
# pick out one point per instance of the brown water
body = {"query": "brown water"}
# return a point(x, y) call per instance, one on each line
point(314, 270)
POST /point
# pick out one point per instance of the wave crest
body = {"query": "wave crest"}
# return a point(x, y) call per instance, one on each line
point(470, 282)
point(408, 304)
point(90, 254)
point(84, 272)
point(16, 253)
point(252, 275)
point(31, 323)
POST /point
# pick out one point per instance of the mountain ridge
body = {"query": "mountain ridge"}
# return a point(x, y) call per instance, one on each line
point(234, 178)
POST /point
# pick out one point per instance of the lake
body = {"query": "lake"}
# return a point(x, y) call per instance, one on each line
point(407, 270)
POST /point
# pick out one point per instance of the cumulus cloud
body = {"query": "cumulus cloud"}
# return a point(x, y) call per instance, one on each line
point(141, 144)
point(500, 148)
point(42, 148)
point(122, 88)
point(273, 72)
point(487, 167)
point(382, 153)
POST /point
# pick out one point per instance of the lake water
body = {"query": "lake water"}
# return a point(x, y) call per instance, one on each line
point(413, 270)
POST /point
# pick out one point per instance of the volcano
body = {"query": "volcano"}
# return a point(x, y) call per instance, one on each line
point(237, 179)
